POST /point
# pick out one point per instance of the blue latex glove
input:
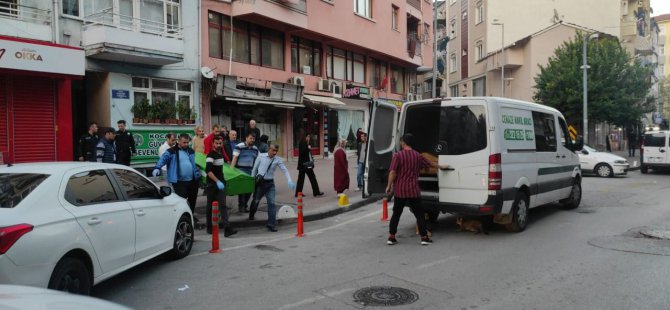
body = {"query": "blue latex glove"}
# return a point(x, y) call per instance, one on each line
point(291, 185)
point(220, 185)
point(156, 172)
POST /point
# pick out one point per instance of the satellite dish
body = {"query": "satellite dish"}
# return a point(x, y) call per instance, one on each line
point(207, 72)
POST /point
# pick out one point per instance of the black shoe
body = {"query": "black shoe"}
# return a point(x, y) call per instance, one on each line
point(425, 240)
point(391, 240)
point(318, 194)
point(272, 229)
point(229, 232)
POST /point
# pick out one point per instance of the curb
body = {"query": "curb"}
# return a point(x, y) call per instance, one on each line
point(307, 218)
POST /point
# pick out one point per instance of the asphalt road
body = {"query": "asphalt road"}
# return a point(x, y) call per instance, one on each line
point(589, 258)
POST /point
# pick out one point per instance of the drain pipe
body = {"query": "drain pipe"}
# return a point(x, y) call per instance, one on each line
point(54, 23)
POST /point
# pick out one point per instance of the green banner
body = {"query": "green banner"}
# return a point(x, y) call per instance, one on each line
point(147, 143)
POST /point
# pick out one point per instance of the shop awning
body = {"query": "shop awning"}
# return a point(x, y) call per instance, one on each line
point(288, 105)
point(329, 101)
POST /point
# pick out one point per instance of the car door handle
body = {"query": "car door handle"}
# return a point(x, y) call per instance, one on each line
point(140, 213)
point(94, 221)
point(661, 150)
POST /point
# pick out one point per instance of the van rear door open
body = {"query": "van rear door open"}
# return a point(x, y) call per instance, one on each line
point(380, 148)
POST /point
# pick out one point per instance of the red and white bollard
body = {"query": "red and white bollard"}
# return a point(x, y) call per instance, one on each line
point(215, 228)
point(385, 209)
point(301, 231)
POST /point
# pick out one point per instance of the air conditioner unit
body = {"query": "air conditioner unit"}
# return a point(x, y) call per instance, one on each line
point(297, 80)
point(324, 85)
point(410, 97)
point(336, 87)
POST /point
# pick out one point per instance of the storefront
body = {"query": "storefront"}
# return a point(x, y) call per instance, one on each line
point(36, 100)
point(353, 116)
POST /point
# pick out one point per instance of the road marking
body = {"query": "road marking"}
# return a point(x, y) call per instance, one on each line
point(437, 262)
point(290, 236)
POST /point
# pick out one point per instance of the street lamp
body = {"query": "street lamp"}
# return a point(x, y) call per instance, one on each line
point(585, 87)
point(496, 22)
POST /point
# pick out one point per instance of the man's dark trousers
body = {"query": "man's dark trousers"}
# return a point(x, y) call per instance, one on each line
point(188, 190)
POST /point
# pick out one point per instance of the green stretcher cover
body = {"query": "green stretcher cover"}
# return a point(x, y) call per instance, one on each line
point(237, 182)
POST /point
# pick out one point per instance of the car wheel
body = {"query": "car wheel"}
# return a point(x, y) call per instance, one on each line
point(575, 198)
point(604, 170)
point(183, 238)
point(71, 275)
point(519, 213)
point(644, 169)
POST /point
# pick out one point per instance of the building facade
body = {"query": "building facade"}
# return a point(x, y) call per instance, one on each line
point(663, 22)
point(309, 67)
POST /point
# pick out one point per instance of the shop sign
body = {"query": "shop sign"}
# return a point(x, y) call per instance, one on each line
point(356, 92)
point(397, 103)
point(41, 57)
point(147, 143)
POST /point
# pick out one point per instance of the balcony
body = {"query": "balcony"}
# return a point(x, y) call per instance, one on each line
point(293, 12)
point(25, 21)
point(110, 36)
point(415, 4)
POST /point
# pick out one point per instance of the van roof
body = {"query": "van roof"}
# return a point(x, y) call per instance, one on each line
point(490, 99)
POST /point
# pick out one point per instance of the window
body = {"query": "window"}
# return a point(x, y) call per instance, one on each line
point(153, 16)
point(90, 187)
point(163, 90)
point(454, 90)
point(381, 137)
point(463, 129)
point(397, 80)
point(479, 51)
point(135, 186)
point(545, 132)
point(252, 44)
point(479, 86)
point(394, 17)
point(378, 73)
point(363, 8)
point(479, 13)
point(452, 63)
point(9, 8)
point(305, 56)
point(71, 7)
point(14, 187)
point(564, 133)
point(426, 34)
point(654, 139)
point(345, 65)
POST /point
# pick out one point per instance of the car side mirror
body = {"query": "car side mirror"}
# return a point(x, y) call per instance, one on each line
point(166, 191)
point(578, 145)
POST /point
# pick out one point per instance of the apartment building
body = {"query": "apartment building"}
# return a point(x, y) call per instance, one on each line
point(309, 67)
point(36, 74)
point(663, 22)
point(496, 46)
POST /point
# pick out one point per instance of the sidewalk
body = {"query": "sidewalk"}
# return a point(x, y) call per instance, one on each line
point(314, 208)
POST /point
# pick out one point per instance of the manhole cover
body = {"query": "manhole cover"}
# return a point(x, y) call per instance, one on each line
point(385, 296)
point(656, 233)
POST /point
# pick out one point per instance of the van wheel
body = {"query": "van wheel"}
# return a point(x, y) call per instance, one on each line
point(520, 213)
point(572, 202)
point(604, 170)
point(644, 169)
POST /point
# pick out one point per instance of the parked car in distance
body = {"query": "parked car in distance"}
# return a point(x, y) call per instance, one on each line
point(655, 150)
point(70, 225)
point(603, 164)
point(34, 298)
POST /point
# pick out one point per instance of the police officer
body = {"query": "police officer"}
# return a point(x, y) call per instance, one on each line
point(88, 142)
point(125, 144)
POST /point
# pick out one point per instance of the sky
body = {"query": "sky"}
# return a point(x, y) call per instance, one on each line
point(660, 7)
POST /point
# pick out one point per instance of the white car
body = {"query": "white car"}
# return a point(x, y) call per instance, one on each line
point(71, 225)
point(28, 297)
point(602, 164)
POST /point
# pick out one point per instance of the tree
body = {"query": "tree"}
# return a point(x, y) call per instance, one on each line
point(617, 83)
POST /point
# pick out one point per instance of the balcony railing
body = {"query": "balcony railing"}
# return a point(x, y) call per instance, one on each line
point(24, 13)
point(110, 19)
point(415, 3)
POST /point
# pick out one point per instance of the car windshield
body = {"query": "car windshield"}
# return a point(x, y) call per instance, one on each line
point(590, 149)
point(14, 187)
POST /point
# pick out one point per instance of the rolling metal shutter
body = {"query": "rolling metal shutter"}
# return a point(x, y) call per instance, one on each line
point(34, 119)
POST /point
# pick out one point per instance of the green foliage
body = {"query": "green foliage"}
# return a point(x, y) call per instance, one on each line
point(141, 109)
point(154, 111)
point(184, 110)
point(166, 110)
point(617, 83)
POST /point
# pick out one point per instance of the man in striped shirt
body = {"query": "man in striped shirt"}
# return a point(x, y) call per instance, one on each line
point(404, 172)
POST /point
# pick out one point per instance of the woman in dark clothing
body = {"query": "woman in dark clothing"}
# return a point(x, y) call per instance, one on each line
point(341, 167)
point(304, 156)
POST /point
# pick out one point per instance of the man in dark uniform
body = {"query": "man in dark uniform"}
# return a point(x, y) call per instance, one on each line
point(125, 144)
point(88, 142)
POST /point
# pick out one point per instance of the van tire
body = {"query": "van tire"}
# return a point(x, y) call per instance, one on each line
point(575, 198)
point(519, 213)
point(644, 169)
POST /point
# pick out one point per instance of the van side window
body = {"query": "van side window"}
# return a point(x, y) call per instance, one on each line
point(564, 135)
point(545, 132)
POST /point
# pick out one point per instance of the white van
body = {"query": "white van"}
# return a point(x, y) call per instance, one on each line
point(654, 150)
point(507, 156)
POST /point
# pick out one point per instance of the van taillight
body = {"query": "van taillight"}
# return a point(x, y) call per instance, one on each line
point(495, 172)
point(10, 234)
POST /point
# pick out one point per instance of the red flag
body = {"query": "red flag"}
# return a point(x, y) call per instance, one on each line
point(385, 81)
